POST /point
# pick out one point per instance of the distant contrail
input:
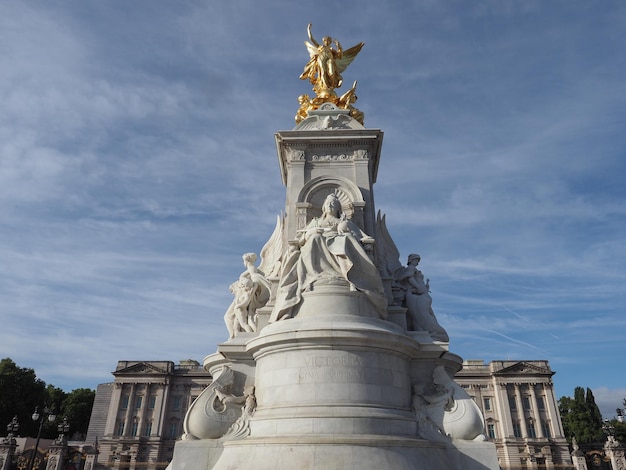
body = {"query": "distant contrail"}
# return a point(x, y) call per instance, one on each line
point(514, 340)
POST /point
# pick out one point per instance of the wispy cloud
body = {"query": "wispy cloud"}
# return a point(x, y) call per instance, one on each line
point(137, 163)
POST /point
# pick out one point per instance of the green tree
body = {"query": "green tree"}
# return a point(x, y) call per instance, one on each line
point(77, 409)
point(20, 392)
point(594, 411)
point(54, 401)
point(581, 417)
point(620, 431)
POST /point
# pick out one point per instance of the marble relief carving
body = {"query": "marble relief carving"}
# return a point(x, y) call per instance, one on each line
point(301, 155)
point(251, 291)
point(331, 248)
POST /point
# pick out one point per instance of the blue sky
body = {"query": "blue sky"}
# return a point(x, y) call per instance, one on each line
point(137, 164)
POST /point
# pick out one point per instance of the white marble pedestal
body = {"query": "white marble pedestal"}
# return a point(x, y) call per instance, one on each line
point(334, 391)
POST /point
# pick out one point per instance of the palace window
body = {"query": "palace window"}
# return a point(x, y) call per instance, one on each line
point(173, 430)
point(487, 402)
point(119, 428)
point(152, 402)
point(138, 401)
point(531, 429)
point(134, 427)
point(545, 426)
point(541, 403)
point(148, 429)
point(526, 402)
point(512, 403)
point(124, 402)
point(176, 401)
point(491, 430)
point(517, 429)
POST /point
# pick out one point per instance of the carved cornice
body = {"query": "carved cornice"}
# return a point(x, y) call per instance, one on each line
point(296, 155)
point(524, 368)
point(141, 368)
point(343, 145)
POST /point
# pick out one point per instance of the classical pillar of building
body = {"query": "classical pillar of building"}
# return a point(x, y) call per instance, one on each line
point(520, 410)
point(504, 419)
point(142, 415)
point(552, 409)
point(114, 407)
point(129, 410)
point(535, 411)
point(160, 408)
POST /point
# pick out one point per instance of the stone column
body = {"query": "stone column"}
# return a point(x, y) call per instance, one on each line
point(520, 411)
point(614, 451)
point(578, 457)
point(7, 451)
point(56, 455)
point(552, 410)
point(535, 412)
point(144, 409)
point(579, 461)
point(503, 416)
point(159, 412)
point(91, 457)
point(129, 410)
point(134, 452)
point(114, 407)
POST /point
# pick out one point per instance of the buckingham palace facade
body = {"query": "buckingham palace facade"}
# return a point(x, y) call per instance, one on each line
point(137, 418)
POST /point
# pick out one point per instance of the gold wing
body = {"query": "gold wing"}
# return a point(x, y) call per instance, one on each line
point(347, 57)
point(311, 48)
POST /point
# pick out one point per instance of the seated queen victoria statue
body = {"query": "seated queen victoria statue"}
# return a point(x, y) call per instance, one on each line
point(330, 251)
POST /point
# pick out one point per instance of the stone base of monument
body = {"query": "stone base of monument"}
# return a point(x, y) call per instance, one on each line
point(359, 452)
point(334, 452)
point(333, 391)
point(332, 375)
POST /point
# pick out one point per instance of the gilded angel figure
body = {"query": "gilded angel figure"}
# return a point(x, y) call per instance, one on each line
point(324, 68)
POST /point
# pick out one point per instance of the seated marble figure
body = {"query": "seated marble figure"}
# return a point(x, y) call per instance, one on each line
point(329, 251)
point(418, 301)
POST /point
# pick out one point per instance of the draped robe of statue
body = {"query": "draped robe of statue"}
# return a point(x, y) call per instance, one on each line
point(418, 300)
point(332, 253)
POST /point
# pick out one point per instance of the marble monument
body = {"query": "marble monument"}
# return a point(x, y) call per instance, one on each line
point(334, 358)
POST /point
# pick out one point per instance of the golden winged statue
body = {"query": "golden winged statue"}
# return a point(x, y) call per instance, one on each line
point(324, 70)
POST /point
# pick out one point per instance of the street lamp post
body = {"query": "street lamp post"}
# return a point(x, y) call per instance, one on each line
point(12, 429)
point(8, 445)
point(41, 418)
point(63, 429)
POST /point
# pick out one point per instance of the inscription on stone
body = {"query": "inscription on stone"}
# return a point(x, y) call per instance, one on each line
point(320, 361)
point(333, 369)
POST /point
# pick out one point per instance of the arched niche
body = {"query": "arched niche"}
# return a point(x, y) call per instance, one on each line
point(312, 195)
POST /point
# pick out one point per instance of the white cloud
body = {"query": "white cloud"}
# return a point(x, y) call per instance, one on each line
point(608, 400)
point(137, 163)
